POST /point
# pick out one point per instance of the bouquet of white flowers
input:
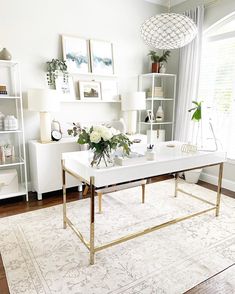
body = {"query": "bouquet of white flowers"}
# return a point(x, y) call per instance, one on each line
point(101, 140)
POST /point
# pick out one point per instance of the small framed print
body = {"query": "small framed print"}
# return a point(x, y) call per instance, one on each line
point(109, 90)
point(65, 88)
point(101, 57)
point(76, 54)
point(89, 90)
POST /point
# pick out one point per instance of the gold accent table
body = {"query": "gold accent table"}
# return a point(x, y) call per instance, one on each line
point(168, 160)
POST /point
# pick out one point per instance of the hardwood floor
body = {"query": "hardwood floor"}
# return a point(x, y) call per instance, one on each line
point(214, 285)
point(218, 284)
point(3, 281)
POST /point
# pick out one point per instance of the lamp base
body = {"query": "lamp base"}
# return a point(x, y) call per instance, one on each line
point(45, 127)
point(131, 122)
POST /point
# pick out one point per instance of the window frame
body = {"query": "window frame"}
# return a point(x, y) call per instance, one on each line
point(217, 37)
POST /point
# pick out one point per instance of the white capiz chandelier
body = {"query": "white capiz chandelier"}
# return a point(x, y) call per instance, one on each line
point(168, 30)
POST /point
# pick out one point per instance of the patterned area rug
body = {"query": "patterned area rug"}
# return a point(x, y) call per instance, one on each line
point(41, 257)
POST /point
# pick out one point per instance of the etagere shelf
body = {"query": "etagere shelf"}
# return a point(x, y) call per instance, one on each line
point(11, 104)
point(167, 82)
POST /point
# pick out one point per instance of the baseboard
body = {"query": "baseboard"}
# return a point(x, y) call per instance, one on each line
point(29, 186)
point(227, 184)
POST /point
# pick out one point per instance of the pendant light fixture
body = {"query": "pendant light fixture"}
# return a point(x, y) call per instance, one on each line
point(168, 30)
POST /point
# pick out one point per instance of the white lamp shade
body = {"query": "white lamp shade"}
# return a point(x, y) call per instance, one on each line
point(134, 101)
point(43, 100)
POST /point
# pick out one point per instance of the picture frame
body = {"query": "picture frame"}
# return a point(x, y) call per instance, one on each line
point(65, 88)
point(76, 54)
point(101, 54)
point(109, 90)
point(89, 90)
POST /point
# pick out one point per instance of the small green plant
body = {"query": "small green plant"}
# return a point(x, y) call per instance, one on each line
point(157, 58)
point(197, 114)
point(54, 69)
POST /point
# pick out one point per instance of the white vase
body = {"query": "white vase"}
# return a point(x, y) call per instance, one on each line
point(163, 69)
point(160, 114)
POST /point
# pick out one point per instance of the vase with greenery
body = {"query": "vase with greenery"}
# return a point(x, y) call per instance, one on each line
point(56, 67)
point(102, 141)
point(196, 118)
point(158, 59)
point(193, 176)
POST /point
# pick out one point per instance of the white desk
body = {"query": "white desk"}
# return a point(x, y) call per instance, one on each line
point(168, 160)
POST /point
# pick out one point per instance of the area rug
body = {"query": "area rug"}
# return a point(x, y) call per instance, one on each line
point(41, 257)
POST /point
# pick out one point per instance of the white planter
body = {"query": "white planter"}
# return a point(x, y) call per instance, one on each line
point(192, 176)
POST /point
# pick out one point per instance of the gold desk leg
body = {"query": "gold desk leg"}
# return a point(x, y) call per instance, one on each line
point(143, 193)
point(92, 222)
point(221, 166)
point(100, 201)
point(176, 183)
point(64, 195)
point(86, 189)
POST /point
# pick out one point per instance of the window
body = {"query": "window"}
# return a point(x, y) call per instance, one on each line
point(217, 82)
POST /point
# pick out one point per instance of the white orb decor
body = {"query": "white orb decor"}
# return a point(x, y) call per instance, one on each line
point(168, 31)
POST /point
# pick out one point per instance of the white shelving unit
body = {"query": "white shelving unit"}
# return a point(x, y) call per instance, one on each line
point(12, 104)
point(168, 83)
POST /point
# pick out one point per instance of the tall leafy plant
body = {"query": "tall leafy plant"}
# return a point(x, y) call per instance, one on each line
point(159, 58)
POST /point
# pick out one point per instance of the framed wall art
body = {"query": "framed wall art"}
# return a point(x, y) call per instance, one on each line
point(109, 90)
point(101, 57)
point(89, 90)
point(65, 88)
point(76, 54)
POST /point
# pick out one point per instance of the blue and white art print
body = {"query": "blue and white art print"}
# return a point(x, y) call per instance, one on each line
point(76, 54)
point(102, 57)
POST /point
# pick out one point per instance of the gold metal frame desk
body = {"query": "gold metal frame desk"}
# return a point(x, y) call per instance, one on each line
point(168, 160)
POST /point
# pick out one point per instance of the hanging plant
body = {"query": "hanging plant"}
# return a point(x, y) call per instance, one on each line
point(55, 68)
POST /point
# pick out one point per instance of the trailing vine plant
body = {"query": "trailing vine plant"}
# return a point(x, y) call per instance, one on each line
point(56, 67)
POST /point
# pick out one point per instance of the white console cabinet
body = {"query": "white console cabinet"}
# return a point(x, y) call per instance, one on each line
point(45, 165)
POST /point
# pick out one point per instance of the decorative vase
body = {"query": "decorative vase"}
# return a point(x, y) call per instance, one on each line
point(156, 67)
point(102, 159)
point(160, 114)
point(163, 68)
point(5, 54)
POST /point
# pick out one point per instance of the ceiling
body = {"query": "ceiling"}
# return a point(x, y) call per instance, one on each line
point(166, 2)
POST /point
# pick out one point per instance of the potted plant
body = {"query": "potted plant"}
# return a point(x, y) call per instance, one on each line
point(157, 59)
point(193, 175)
point(55, 68)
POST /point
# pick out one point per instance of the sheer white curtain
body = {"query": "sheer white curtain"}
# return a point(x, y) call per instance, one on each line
point(188, 78)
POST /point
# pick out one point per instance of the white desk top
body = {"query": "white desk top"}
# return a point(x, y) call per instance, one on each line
point(168, 160)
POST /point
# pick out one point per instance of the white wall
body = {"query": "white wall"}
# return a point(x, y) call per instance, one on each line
point(31, 31)
point(213, 12)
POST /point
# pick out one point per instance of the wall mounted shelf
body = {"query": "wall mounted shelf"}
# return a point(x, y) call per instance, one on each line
point(9, 132)
point(160, 99)
point(9, 97)
point(92, 101)
point(157, 123)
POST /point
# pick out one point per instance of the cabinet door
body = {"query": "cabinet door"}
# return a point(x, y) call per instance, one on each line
point(46, 173)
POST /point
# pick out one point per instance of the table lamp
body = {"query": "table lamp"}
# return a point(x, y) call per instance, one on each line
point(44, 101)
point(131, 103)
